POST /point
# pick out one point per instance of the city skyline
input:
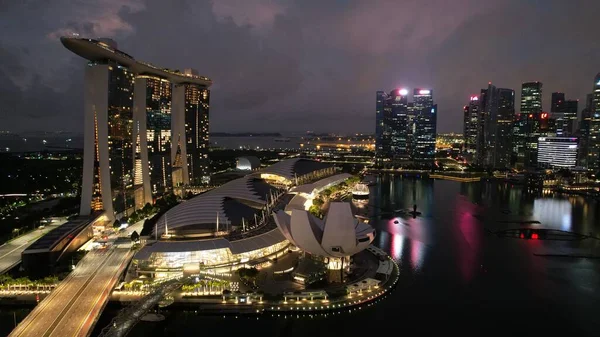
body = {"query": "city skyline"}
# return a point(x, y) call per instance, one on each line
point(270, 68)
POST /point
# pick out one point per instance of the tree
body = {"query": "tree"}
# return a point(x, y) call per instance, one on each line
point(315, 210)
point(318, 202)
point(327, 192)
point(116, 224)
point(135, 236)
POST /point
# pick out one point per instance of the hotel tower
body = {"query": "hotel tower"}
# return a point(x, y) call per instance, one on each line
point(145, 129)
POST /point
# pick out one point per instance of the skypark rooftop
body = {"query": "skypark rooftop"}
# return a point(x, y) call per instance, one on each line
point(96, 50)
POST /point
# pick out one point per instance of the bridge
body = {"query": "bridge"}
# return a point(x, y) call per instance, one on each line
point(74, 306)
point(130, 316)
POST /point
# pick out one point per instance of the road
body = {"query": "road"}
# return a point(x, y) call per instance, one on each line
point(73, 307)
point(10, 253)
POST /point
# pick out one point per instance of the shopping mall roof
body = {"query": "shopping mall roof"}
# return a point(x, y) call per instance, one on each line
point(296, 167)
point(321, 185)
point(231, 202)
point(236, 247)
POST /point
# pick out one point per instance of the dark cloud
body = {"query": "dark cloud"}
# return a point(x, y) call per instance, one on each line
point(292, 65)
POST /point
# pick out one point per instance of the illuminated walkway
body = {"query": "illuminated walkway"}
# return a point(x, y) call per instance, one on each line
point(130, 316)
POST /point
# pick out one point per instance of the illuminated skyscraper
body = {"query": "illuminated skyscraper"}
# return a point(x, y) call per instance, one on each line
point(132, 137)
point(584, 132)
point(405, 131)
point(156, 103)
point(529, 125)
point(593, 158)
point(425, 127)
point(498, 112)
point(557, 152)
point(383, 133)
point(398, 103)
point(197, 103)
point(470, 126)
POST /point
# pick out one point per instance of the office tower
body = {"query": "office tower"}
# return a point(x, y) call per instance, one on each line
point(197, 102)
point(584, 134)
point(531, 97)
point(470, 126)
point(129, 147)
point(498, 111)
point(568, 122)
point(410, 127)
point(557, 152)
point(593, 158)
point(382, 129)
point(481, 153)
point(398, 103)
point(528, 125)
point(564, 114)
point(506, 112)
point(425, 126)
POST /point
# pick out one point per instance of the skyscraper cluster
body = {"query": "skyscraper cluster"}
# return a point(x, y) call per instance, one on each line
point(405, 131)
point(145, 129)
point(496, 136)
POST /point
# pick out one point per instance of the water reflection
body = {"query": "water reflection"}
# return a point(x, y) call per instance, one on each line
point(553, 213)
point(558, 211)
point(471, 235)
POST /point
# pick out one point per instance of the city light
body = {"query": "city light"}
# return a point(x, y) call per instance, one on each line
point(403, 92)
point(424, 92)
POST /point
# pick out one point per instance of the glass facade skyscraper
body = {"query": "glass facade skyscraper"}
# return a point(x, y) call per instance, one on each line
point(593, 158)
point(470, 127)
point(425, 126)
point(383, 131)
point(398, 103)
point(405, 130)
point(528, 125)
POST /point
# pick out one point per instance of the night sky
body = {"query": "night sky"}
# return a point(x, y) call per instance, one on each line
point(300, 65)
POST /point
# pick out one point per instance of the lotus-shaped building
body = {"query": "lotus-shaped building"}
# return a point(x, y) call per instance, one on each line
point(339, 235)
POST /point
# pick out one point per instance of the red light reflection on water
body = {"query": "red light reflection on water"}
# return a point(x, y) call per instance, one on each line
point(471, 231)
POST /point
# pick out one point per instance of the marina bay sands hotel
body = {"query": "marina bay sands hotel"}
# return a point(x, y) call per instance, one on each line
point(145, 128)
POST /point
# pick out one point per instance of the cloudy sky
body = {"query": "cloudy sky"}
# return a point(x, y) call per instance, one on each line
point(296, 65)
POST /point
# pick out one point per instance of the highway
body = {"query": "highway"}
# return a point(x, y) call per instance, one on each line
point(10, 252)
point(73, 307)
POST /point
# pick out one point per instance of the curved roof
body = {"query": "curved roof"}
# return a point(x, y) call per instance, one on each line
point(236, 247)
point(322, 184)
point(95, 50)
point(232, 202)
point(290, 168)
